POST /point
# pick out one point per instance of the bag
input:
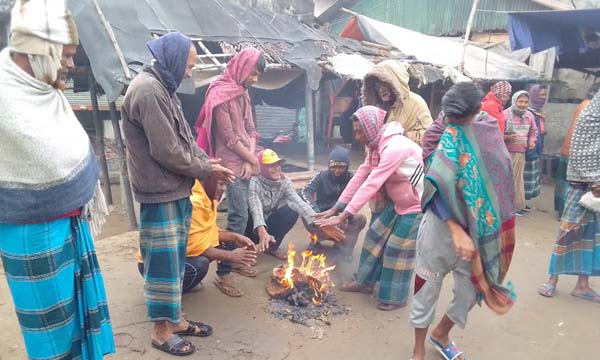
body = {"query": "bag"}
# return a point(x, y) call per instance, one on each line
point(590, 202)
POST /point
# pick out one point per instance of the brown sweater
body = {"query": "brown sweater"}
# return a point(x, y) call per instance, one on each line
point(162, 156)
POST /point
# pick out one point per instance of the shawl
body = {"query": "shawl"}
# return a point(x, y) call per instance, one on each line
point(371, 119)
point(170, 54)
point(514, 110)
point(410, 110)
point(536, 102)
point(47, 167)
point(584, 157)
point(471, 170)
point(224, 89)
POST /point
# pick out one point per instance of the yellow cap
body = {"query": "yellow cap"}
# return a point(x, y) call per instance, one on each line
point(270, 157)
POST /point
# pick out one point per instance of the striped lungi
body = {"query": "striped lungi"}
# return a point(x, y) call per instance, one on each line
point(388, 255)
point(164, 230)
point(57, 289)
point(531, 178)
point(577, 247)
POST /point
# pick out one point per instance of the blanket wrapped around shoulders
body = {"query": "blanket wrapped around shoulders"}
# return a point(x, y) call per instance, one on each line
point(471, 170)
point(47, 166)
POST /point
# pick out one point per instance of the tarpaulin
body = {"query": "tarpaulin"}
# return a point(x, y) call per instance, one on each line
point(563, 30)
point(478, 63)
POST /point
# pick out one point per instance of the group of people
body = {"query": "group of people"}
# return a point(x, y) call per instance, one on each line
point(443, 194)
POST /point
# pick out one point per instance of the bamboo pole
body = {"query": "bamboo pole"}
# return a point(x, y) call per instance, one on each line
point(98, 126)
point(468, 34)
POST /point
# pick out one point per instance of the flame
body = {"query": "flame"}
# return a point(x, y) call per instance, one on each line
point(314, 268)
point(314, 238)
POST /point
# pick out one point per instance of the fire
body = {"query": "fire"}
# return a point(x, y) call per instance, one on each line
point(314, 268)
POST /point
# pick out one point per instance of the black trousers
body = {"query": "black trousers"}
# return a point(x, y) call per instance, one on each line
point(196, 268)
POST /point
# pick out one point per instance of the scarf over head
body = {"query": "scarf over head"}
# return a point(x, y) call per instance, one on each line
point(47, 168)
point(371, 119)
point(584, 157)
point(227, 87)
point(40, 29)
point(536, 102)
point(501, 89)
point(471, 170)
point(170, 53)
point(514, 108)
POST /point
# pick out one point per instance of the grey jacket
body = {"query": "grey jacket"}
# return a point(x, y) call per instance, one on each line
point(266, 196)
point(162, 156)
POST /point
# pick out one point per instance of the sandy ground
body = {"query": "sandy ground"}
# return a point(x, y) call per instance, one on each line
point(537, 328)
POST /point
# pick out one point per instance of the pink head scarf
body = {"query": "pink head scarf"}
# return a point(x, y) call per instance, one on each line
point(501, 88)
point(372, 119)
point(225, 88)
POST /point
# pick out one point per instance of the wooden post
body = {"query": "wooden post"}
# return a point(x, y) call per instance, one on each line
point(310, 128)
point(98, 126)
point(468, 34)
point(123, 165)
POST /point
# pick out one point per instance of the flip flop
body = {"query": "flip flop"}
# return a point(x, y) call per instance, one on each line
point(245, 271)
point(590, 296)
point(547, 290)
point(205, 330)
point(389, 307)
point(228, 288)
point(450, 352)
point(174, 346)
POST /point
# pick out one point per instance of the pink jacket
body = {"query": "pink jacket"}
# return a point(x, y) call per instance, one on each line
point(524, 127)
point(400, 169)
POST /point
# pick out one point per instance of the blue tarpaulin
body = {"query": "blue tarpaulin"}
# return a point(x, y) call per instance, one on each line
point(564, 30)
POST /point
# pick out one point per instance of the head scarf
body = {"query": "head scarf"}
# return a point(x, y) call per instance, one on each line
point(371, 119)
point(536, 102)
point(502, 88)
point(170, 54)
point(514, 108)
point(227, 87)
point(40, 29)
point(584, 158)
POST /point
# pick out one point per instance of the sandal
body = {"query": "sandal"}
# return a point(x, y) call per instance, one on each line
point(547, 290)
point(389, 307)
point(175, 346)
point(193, 326)
point(450, 352)
point(228, 287)
point(245, 271)
point(356, 287)
point(277, 253)
point(590, 296)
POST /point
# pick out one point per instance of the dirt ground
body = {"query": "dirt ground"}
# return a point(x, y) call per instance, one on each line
point(536, 328)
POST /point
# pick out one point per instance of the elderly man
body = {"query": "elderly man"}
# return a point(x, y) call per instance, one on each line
point(164, 162)
point(49, 192)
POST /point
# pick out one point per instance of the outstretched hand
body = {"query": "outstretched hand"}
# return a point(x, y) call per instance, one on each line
point(330, 221)
point(334, 233)
point(221, 172)
point(326, 214)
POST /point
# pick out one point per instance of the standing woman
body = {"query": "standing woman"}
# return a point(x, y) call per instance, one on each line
point(577, 247)
point(394, 163)
point(520, 134)
point(533, 165)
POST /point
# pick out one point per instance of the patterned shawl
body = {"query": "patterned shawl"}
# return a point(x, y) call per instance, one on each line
point(47, 166)
point(372, 119)
point(472, 171)
point(584, 159)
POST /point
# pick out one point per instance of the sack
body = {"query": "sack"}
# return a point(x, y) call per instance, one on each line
point(590, 202)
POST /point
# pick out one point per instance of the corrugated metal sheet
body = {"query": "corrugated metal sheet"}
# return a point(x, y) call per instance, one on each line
point(442, 17)
point(270, 120)
point(83, 101)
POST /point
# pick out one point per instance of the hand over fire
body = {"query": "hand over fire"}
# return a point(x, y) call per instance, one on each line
point(326, 214)
point(334, 233)
point(264, 239)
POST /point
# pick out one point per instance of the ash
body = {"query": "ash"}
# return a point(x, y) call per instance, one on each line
point(282, 309)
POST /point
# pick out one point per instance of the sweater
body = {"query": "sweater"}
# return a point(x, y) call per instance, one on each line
point(400, 170)
point(323, 191)
point(524, 127)
point(162, 155)
point(266, 196)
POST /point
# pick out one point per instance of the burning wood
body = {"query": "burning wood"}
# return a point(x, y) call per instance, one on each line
point(304, 284)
